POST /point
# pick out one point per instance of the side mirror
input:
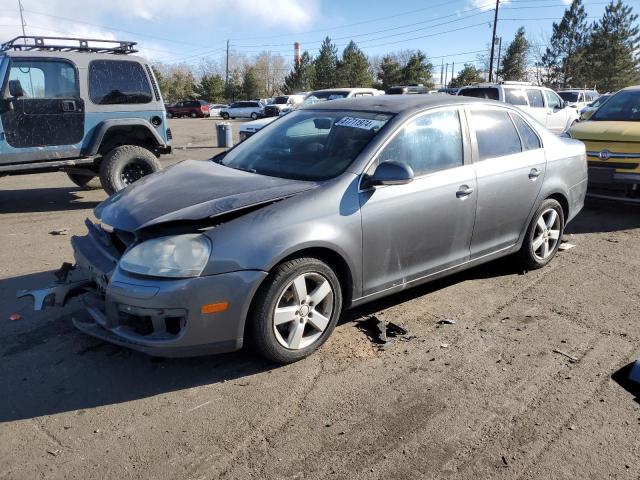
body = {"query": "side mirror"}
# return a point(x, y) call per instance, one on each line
point(391, 173)
point(15, 89)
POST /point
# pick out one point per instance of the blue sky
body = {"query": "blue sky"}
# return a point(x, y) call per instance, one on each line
point(189, 30)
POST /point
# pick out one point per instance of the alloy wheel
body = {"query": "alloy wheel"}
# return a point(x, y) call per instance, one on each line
point(303, 311)
point(133, 172)
point(546, 234)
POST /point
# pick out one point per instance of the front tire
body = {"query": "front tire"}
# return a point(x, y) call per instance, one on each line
point(125, 165)
point(254, 116)
point(543, 235)
point(84, 181)
point(194, 115)
point(296, 310)
point(224, 115)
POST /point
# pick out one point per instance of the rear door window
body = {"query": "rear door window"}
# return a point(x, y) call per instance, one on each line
point(553, 100)
point(535, 98)
point(115, 82)
point(515, 96)
point(495, 133)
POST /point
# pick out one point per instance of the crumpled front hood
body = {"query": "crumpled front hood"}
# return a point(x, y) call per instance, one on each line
point(192, 190)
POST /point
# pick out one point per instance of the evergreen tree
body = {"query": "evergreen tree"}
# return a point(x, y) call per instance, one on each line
point(418, 70)
point(514, 63)
point(390, 73)
point(467, 76)
point(302, 77)
point(211, 88)
point(353, 69)
point(233, 88)
point(562, 60)
point(613, 48)
point(325, 66)
point(250, 87)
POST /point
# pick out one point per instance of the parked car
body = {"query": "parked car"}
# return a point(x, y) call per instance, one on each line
point(586, 112)
point(322, 210)
point(216, 108)
point(246, 109)
point(612, 139)
point(249, 128)
point(407, 89)
point(87, 111)
point(189, 108)
point(578, 98)
point(449, 91)
point(541, 103)
point(279, 103)
point(318, 96)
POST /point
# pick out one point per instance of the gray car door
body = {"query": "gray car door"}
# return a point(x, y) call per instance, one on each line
point(510, 164)
point(413, 230)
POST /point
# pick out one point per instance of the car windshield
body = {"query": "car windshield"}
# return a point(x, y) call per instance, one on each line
point(280, 101)
point(317, 97)
point(623, 106)
point(569, 96)
point(486, 93)
point(599, 101)
point(307, 144)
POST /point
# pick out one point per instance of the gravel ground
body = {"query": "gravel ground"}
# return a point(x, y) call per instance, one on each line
point(484, 398)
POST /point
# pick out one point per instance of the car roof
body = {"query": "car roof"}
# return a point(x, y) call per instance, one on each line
point(398, 103)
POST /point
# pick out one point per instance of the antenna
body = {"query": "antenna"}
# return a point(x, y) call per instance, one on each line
point(22, 22)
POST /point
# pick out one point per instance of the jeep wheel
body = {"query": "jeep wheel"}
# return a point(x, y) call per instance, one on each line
point(124, 165)
point(84, 181)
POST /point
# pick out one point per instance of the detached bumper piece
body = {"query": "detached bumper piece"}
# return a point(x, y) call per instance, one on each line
point(57, 295)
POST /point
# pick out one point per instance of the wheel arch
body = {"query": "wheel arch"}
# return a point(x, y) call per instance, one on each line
point(562, 200)
point(114, 132)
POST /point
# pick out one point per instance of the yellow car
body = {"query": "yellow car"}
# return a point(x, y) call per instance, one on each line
point(612, 137)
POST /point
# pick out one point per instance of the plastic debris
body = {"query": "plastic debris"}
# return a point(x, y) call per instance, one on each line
point(444, 345)
point(383, 333)
point(571, 358)
point(447, 321)
point(60, 231)
point(566, 246)
point(15, 316)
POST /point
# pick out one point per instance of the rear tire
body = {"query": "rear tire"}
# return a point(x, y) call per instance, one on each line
point(86, 182)
point(124, 165)
point(224, 115)
point(194, 115)
point(314, 316)
point(543, 236)
point(254, 116)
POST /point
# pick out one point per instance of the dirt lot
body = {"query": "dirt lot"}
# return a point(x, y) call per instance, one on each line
point(484, 398)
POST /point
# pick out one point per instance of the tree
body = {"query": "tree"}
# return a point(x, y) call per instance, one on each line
point(467, 76)
point(176, 82)
point(353, 68)
point(390, 72)
point(562, 60)
point(302, 77)
point(514, 63)
point(418, 70)
point(326, 66)
point(250, 87)
point(613, 48)
point(211, 88)
point(233, 88)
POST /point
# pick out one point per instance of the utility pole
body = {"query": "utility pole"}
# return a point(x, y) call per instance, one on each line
point(441, 72)
point(23, 23)
point(446, 74)
point(226, 76)
point(499, 55)
point(493, 41)
point(453, 72)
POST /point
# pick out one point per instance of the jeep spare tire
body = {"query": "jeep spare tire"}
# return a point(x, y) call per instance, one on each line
point(124, 165)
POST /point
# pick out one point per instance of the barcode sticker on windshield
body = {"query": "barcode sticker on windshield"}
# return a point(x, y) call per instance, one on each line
point(364, 123)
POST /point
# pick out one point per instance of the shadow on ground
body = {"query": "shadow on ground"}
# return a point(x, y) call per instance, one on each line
point(621, 377)
point(601, 216)
point(31, 200)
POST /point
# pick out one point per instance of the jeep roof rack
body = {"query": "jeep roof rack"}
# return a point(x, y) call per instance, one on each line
point(68, 44)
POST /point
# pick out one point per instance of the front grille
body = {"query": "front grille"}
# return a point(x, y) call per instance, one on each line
point(614, 165)
point(271, 111)
point(169, 134)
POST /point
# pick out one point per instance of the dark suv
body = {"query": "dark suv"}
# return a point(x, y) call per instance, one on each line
point(189, 108)
point(86, 108)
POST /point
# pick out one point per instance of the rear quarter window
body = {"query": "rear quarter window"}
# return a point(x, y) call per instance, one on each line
point(115, 82)
point(535, 98)
point(515, 96)
point(530, 140)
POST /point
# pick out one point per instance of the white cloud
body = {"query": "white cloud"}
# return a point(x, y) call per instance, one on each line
point(485, 4)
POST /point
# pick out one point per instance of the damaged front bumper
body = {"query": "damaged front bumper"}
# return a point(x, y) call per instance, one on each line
point(157, 316)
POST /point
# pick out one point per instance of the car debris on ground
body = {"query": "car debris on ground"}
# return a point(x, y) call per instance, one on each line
point(60, 231)
point(383, 333)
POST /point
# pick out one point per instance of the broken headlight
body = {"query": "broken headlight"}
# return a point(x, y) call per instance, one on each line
point(178, 256)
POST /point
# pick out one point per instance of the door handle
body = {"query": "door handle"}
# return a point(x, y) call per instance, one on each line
point(68, 106)
point(534, 174)
point(464, 191)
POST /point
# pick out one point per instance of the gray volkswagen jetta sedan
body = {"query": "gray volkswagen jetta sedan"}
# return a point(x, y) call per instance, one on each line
point(325, 209)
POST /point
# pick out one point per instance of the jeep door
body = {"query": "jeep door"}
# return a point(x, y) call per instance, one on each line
point(41, 107)
point(414, 230)
point(509, 165)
